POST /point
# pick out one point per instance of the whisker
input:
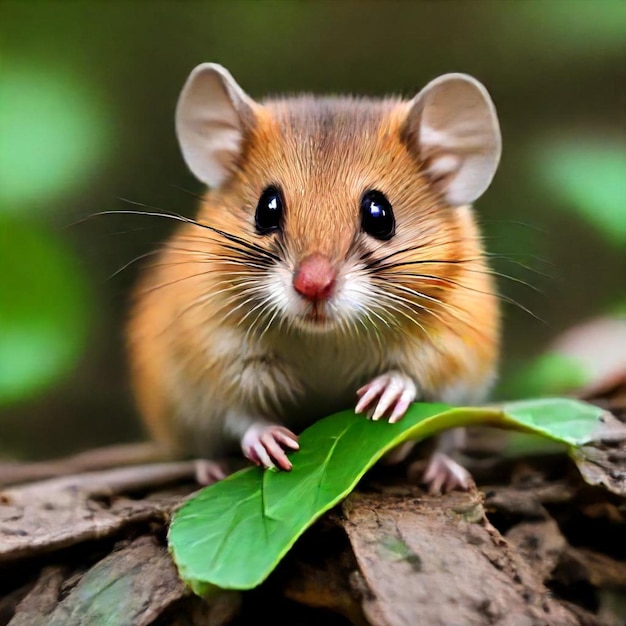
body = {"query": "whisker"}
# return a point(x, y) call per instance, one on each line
point(204, 256)
point(389, 298)
point(459, 285)
point(412, 303)
point(263, 311)
point(515, 223)
point(174, 282)
point(487, 271)
point(251, 297)
point(193, 194)
point(137, 258)
point(508, 255)
point(430, 245)
point(156, 212)
point(276, 310)
point(525, 266)
point(253, 309)
point(452, 309)
point(252, 249)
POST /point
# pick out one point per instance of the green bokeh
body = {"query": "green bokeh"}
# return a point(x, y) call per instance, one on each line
point(590, 179)
point(52, 135)
point(549, 374)
point(574, 28)
point(43, 309)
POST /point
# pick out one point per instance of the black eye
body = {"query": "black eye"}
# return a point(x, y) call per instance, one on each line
point(377, 215)
point(269, 211)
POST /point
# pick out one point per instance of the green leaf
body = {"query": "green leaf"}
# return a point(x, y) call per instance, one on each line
point(232, 534)
point(44, 312)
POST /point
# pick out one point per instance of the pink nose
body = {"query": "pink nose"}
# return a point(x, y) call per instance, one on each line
point(315, 278)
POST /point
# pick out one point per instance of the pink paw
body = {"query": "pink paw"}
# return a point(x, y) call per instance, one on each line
point(443, 475)
point(389, 394)
point(208, 472)
point(264, 445)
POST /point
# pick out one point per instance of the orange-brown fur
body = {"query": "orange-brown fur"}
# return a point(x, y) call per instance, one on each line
point(192, 357)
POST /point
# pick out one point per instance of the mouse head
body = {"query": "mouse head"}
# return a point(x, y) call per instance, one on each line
point(346, 211)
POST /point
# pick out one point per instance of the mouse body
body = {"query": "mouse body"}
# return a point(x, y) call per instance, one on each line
point(334, 262)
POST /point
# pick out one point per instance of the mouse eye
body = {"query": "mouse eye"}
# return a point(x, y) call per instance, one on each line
point(377, 215)
point(269, 211)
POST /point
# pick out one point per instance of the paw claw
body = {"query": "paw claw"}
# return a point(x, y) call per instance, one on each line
point(402, 404)
point(443, 475)
point(369, 393)
point(262, 455)
point(387, 395)
point(263, 445)
point(287, 440)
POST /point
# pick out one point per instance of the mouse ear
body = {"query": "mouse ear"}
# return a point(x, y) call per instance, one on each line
point(452, 123)
point(212, 114)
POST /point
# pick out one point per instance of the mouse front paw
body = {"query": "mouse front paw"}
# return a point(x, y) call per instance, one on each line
point(264, 444)
point(387, 395)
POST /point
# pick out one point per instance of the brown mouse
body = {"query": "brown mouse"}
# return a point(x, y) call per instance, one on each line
point(335, 262)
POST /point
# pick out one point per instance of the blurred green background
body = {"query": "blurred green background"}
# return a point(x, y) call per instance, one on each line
point(88, 91)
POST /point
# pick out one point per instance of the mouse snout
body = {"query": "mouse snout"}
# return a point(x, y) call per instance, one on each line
point(315, 277)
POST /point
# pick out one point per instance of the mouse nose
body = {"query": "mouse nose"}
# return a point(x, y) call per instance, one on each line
point(315, 277)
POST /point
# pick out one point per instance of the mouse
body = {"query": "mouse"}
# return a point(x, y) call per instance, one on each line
point(335, 262)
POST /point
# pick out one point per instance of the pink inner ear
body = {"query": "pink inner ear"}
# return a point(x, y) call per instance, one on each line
point(443, 165)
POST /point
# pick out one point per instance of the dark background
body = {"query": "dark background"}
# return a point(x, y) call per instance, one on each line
point(86, 113)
